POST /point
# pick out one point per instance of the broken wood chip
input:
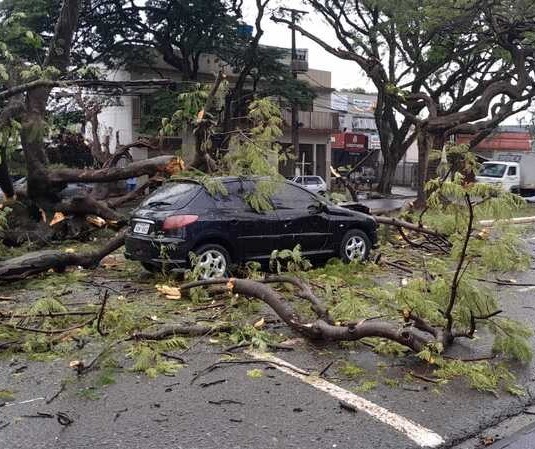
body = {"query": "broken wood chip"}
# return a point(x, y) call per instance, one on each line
point(76, 364)
point(487, 441)
point(174, 166)
point(168, 291)
point(260, 323)
point(99, 222)
point(57, 218)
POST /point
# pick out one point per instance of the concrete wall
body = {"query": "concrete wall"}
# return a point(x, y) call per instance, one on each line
point(319, 160)
point(116, 119)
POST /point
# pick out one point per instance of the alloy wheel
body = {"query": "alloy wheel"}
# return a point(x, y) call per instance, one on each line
point(212, 263)
point(355, 248)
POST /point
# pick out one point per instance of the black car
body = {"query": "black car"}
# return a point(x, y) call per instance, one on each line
point(183, 216)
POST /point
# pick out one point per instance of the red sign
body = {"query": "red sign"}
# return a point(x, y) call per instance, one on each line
point(353, 142)
point(499, 141)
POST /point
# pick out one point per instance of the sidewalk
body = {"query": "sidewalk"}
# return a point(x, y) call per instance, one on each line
point(523, 439)
point(398, 199)
point(403, 191)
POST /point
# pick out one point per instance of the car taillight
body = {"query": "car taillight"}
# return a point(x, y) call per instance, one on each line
point(178, 221)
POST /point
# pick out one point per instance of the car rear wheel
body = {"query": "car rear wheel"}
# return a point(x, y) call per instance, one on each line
point(213, 261)
point(355, 245)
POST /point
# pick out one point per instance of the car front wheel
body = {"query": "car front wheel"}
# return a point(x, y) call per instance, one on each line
point(213, 261)
point(355, 245)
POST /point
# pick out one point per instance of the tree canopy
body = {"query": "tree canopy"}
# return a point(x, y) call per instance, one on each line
point(442, 65)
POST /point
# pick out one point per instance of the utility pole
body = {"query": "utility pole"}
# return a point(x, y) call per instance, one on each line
point(295, 15)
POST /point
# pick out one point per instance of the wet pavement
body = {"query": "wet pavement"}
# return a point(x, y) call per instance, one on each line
point(400, 198)
point(230, 408)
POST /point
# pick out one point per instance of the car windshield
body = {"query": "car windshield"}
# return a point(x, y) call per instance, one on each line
point(492, 170)
point(176, 194)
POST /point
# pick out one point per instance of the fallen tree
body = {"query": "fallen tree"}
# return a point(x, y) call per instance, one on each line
point(34, 263)
point(413, 331)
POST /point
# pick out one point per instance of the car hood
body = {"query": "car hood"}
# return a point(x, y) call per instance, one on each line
point(488, 180)
point(345, 212)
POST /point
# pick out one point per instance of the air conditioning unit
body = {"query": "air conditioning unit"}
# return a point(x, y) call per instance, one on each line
point(298, 65)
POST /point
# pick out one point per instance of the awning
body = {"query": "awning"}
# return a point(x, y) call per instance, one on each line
point(352, 142)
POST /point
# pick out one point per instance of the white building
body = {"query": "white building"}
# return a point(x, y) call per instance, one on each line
point(315, 125)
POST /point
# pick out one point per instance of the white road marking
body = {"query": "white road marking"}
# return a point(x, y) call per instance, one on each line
point(526, 289)
point(10, 404)
point(417, 433)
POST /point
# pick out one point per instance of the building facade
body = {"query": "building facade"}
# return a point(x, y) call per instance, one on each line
point(122, 124)
point(505, 139)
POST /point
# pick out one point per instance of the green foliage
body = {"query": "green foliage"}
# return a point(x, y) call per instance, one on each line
point(367, 385)
point(288, 260)
point(505, 252)
point(147, 359)
point(249, 335)
point(214, 186)
point(256, 153)
point(511, 338)
point(348, 306)
point(4, 212)
point(387, 347)
point(481, 376)
point(89, 393)
point(46, 305)
point(106, 377)
point(7, 395)
point(392, 383)
point(351, 370)
point(255, 373)
point(188, 105)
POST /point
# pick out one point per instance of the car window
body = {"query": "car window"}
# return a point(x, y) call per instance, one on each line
point(298, 180)
point(176, 194)
point(293, 197)
point(235, 194)
point(314, 181)
point(492, 170)
point(511, 171)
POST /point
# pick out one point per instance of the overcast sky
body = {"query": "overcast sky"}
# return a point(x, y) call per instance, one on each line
point(345, 74)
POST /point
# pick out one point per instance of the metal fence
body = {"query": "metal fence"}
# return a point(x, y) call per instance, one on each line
point(406, 174)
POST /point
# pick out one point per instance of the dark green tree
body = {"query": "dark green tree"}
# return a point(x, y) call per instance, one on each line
point(446, 66)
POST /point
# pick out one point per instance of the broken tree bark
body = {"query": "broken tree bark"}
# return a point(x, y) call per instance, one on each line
point(41, 261)
point(87, 205)
point(441, 241)
point(411, 331)
point(150, 167)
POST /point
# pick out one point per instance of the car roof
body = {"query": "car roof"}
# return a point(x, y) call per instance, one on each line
point(225, 179)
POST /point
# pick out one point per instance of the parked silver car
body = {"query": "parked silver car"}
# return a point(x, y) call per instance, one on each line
point(313, 183)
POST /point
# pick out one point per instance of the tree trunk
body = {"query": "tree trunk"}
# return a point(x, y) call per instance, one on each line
point(41, 261)
point(160, 164)
point(33, 121)
point(6, 185)
point(424, 147)
point(31, 137)
point(387, 173)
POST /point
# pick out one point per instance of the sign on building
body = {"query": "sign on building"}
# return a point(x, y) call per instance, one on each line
point(362, 105)
point(339, 102)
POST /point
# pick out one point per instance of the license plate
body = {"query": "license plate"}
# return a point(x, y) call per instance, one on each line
point(141, 228)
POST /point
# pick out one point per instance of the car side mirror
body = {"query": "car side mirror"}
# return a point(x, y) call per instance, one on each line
point(316, 208)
